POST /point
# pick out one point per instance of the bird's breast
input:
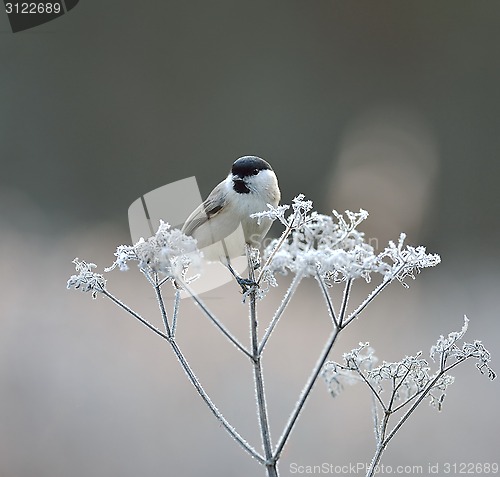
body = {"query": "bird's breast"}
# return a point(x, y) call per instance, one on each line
point(244, 206)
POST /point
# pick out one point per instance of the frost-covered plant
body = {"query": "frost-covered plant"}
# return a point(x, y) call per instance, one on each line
point(405, 383)
point(333, 252)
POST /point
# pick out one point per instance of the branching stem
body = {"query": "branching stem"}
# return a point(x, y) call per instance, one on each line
point(286, 300)
point(328, 299)
point(189, 372)
point(230, 429)
point(385, 439)
point(306, 391)
point(134, 314)
point(258, 377)
point(216, 322)
point(175, 313)
point(372, 295)
point(161, 305)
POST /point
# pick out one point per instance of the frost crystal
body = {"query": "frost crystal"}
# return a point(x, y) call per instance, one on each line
point(447, 345)
point(274, 213)
point(86, 280)
point(169, 251)
point(337, 375)
point(333, 247)
point(407, 261)
point(446, 349)
point(410, 377)
point(406, 378)
point(299, 215)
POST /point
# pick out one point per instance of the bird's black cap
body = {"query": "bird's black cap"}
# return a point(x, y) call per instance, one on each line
point(249, 165)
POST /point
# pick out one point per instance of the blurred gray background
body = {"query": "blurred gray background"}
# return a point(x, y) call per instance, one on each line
point(390, 106)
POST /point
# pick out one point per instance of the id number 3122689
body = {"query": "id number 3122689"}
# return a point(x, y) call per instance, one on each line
point(32, 7)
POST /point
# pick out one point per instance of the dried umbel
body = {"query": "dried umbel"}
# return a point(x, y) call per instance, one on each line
point(332, 251)
point(397, 388)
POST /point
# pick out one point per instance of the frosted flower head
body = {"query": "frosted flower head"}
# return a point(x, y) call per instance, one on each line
point(406, 261)
point(273, 213)
point(298, 216)
point(405, 379)
point(446, 349)
point(333, 247)
point(448, 345)
point(86, 280)
point(337, 376)
point(317, 242)
point(410, 377)
point(169, 252)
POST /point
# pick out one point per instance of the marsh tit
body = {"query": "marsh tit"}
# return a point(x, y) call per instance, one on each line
point(222, 224)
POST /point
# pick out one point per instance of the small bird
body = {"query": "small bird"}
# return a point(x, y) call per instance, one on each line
point(222, 224)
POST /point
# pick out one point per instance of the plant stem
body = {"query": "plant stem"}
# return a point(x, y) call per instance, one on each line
point(175, 313)
point(136, 315)
point(286, 299)
point(328, 299)
point(375, 416)
point(384, 440)
point(192, 378)
point(345, 300)
point(375, 394)
point(259, 379)
point(161, 305)
point(216, 322)
point(281, 240)
point(194, 381)
point(306, 391)
point(368, 300)
point(374, 293)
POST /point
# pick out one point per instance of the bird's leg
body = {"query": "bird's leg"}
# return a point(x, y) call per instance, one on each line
point(244, 283)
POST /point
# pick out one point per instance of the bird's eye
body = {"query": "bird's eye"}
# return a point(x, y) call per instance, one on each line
point(255, 172)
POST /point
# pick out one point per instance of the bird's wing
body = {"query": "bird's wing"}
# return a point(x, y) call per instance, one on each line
point(207, 210)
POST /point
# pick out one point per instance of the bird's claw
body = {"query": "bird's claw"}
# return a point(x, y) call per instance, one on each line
point(246, 284)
